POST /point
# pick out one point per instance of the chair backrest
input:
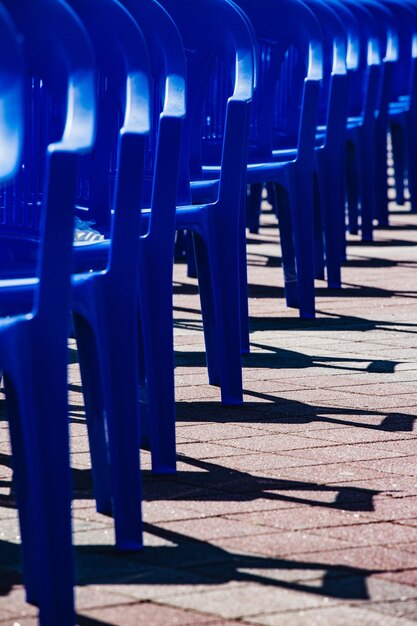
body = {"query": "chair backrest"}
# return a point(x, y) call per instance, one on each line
point(364, 80)
point(352, 33)
point(253, 39)
point(387, 29)
point(335, 42)
point(290, 60)
point(11, 98)
point(112, 180)
point(220, 78)
point(389, 47)
point(405, 15)
point(59, 126)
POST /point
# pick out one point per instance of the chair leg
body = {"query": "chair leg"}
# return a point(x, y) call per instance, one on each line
point(352, 187)
point(381, 179)
point(94, 411)
point(223, 266)
point(270, 193)
point(158, 345)
point(411, 159)
point(367, 174)
point(243, 282)
point(330, 183)
point(190, 254)
point(145, 427)
point(253, 207)
point(207, 309)
point(283, 210)
point(120, 391)
point(24, 491)
point(303, 221)
point(398, 153)
point(319, 200)
point(341, 203)
point(43, 423)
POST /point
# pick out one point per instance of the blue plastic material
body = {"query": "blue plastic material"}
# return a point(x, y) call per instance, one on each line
point(59, 126)
point(220, 77)
point(389, 46)
point(362, 106)
point(282, 139)
point(156, 246)
point(105, 300)
point(330, 142)
point(403, 106)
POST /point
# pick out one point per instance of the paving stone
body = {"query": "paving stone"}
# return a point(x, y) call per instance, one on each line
point(353, 452)
point(13, 605)
point(394, 485)
point(243, 503)
point(331, 616)
point(332, 473)
point(247, 599)
point(247, 462)
point(401, 509)
point(400, 609)
point(372, 559)
point(212, 528)
point(146, 613)
point(270, 443)
point(282, 544)
point(361, 435)
point(405, 576)
point(306, 518)
point(405, 465)
point(382, 533)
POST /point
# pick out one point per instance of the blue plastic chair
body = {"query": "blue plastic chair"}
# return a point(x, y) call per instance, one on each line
point(330, 141)
point(59, 126)
point(156, 246)
point(362, 106)
point(402, 111)
point(329, 153)
point(389, 46)
point(104, 301)
point(281, 145)
point(220, 77)
point(352, 38)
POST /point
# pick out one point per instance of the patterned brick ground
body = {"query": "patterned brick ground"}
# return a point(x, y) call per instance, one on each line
point(298, 508)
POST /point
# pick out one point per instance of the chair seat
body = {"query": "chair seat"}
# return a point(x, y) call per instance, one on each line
point(7, 322)
point(256, 171)
point(17, 295)
point(354, 121)
point(398, 108)
point(87, 255)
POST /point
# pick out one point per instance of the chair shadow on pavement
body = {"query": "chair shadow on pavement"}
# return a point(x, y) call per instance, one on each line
point(183, 560)
point(275, 357)
point(332, 322)
point(276, 410)
point(348, 290)
point(281, 358)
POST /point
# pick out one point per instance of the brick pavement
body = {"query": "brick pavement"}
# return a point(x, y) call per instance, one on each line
point(298, 508)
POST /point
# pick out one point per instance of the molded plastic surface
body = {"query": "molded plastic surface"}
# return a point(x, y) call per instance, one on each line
point(33, 345)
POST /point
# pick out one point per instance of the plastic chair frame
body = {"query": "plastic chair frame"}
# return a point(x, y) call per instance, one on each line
point(33, 346)
point(105, 301)
point(290, 169)
point(156, 246)
point(217, 223)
